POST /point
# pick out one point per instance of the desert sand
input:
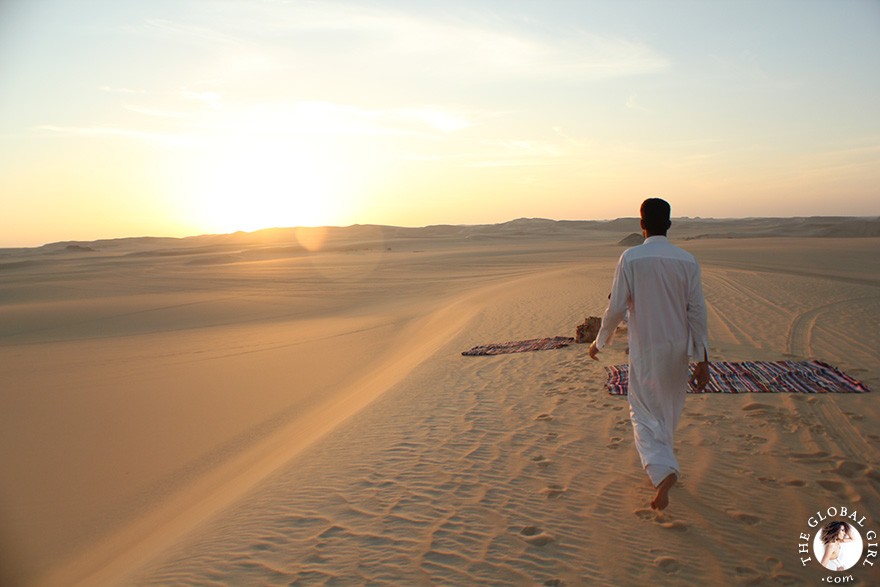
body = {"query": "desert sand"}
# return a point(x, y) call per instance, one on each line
point(257, 409)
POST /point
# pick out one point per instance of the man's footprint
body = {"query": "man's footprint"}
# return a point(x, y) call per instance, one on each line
point(667, 564)
point(536, 536)
point(553, 491)
point(673, 525)
point(850, 469)
point(835, 487)
point(541, 461)
point(660, 519)
point(744, 517)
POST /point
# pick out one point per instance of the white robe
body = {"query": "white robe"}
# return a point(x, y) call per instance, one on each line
point(660, 285)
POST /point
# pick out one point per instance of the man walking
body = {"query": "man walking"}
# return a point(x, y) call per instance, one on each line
point(659, 284)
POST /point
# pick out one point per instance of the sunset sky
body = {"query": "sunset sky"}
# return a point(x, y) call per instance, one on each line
point(178, 117)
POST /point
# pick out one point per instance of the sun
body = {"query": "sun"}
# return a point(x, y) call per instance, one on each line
point(259, 182)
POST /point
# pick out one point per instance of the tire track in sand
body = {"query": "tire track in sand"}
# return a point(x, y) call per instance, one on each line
point(802, 328)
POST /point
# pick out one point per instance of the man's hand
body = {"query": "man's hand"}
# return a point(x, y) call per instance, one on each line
point(701, 375)
point(593, 351)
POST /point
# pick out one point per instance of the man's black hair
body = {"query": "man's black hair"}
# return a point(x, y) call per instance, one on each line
point(655, 216)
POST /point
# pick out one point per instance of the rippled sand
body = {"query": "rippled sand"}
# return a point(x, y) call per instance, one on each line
point(244, 412)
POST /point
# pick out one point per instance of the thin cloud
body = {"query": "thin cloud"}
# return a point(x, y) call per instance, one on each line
point(332, 118)
point(513, 163)
point(113, 90)
point(277, 119)
point(579, 143)
point(156, 112)
point(528, 148)
point(122, 132)
point(211, 99)
point(460, 49)
point(436, 119)
point(192, 31)
point(405, 43)
point(633, 103)
point(515, 153)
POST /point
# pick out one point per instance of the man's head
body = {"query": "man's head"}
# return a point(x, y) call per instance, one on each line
point(655, 217)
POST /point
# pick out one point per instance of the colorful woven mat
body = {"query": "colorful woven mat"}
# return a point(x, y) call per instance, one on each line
point(520, 346)
point(760, 377)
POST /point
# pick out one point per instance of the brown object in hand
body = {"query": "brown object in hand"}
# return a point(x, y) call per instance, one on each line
point(589, 330)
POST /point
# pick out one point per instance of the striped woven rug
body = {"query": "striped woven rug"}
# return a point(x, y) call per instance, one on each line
point(519, 346)
point(760, 377)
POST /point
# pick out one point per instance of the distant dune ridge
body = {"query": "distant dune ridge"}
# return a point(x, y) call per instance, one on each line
point(815, 226)
point(290, 406)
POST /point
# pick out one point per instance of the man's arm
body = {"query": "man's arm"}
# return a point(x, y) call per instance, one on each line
point(617, 306)
point(698, 331)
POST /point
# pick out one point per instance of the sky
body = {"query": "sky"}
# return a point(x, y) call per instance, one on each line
point(179, 117)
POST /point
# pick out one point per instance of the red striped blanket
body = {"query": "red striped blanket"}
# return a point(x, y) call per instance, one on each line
point(520, 346)
point(760, 377)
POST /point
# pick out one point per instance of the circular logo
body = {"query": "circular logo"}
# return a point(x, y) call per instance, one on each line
point(838, 545)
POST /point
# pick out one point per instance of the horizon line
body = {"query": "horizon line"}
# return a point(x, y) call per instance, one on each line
point(417, 227)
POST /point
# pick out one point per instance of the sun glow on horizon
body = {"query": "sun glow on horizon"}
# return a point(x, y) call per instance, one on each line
point(251, 177)
point(255, 184)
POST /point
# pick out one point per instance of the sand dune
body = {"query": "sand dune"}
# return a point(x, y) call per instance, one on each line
point(237, 409)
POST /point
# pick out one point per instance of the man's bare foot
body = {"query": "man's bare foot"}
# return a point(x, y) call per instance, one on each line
point(661, 500)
